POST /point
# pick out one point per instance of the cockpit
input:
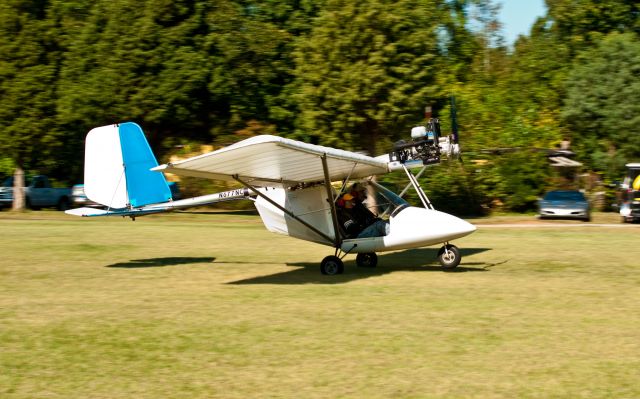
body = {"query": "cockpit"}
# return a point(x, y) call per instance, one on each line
point(382, 202)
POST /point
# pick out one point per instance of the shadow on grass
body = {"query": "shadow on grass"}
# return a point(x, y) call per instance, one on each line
point(413, 260)
point(160, 262)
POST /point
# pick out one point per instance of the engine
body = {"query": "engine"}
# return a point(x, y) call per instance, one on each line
point(424, 145)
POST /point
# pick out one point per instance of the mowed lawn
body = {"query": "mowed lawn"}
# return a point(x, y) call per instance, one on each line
point(194, 305)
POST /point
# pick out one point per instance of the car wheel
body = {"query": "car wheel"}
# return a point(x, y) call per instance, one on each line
point(64, 204)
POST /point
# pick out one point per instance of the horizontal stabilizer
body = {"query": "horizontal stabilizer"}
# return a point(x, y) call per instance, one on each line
point(91, 212)
point(86, 212)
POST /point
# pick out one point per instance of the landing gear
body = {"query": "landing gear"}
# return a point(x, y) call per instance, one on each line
point(331, 266)
point(369, 259)
point(449, 256)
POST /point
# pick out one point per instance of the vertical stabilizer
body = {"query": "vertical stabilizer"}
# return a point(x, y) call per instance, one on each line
point(143, 185)
point(117, 167)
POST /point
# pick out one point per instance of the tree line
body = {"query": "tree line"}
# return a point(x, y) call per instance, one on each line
point(356, 75)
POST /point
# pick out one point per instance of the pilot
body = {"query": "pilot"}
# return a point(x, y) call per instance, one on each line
point(362, 213)
point(357, 221)
point(347, 217)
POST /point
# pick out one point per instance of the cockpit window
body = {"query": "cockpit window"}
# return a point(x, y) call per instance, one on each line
point(383, 202)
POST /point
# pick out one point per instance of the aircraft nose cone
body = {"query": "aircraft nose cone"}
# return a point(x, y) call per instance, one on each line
point(419, 226)
point(450, 226)
point(460, 226)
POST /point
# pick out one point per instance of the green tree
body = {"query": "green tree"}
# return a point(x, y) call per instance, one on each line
point(602, 107)
point(140, 62)
point(582, 23)
point(366, 70)
point(29, 63)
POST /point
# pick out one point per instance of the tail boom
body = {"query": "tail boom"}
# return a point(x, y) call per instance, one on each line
point(202, 200)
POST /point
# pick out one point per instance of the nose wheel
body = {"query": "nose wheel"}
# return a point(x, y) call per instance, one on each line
point(449, 256)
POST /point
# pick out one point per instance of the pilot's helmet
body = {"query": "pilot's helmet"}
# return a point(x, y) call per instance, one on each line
point(348, 200)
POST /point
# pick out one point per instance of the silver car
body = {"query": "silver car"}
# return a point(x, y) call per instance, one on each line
point(79, 198)
point(564, 204)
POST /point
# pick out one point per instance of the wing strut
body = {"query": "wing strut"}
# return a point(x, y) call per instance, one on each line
point(416, 186)
point(332, 203)
point(403, 192)
point(344, 183)
point(286, 211)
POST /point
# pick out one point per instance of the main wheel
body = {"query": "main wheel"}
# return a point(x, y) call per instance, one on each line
point(331, 265)
point(369, 259)
point(449, 256)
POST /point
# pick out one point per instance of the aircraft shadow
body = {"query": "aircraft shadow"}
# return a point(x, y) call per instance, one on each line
point(413, 260)
point(161, 262)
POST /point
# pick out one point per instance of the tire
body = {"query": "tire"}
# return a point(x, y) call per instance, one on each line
point(369, 259)
point(450, 258)
point(27, 204)
point(64, 204)
point(331, 266)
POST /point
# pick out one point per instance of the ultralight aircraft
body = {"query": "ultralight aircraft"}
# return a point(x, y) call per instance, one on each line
point(290, 183)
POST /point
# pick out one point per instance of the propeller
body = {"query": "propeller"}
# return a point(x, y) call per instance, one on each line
point(455, 137)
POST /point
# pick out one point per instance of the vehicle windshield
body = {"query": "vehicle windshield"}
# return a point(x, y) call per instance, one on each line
point(564, 196)
point(382, 202)
point(8, 182)
point(632, 175)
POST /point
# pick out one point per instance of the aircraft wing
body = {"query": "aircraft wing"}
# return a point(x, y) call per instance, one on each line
point(273, 161)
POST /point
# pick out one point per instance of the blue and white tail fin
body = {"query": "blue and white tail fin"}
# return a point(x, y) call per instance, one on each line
point(117, 167)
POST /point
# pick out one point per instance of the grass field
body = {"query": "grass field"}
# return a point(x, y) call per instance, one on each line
point(213, 306)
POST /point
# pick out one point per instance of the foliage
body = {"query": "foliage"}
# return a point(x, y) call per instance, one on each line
point(6, 167)
point(583, 23)
point(366, 70)
point(603, 103)
point(356, 75)
point(29, 62)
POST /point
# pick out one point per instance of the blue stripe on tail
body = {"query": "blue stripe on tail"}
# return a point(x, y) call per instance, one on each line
point(143, 185)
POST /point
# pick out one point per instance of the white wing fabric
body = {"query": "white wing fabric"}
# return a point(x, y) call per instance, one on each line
point(274, 161)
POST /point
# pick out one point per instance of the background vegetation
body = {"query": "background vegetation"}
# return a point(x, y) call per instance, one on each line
point(351, 74)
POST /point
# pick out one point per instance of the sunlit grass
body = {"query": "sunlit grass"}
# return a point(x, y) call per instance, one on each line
point(213, 305)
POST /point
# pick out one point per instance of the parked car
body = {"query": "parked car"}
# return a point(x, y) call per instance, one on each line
point(630, 194)
point(6, 193)
point(175, 190)
point(38, 193)
point(79, 198)
point(564, 204)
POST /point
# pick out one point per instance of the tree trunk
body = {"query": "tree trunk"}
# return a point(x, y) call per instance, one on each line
point(18, 189)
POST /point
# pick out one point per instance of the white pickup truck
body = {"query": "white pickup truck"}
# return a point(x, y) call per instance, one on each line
point(38, 194)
